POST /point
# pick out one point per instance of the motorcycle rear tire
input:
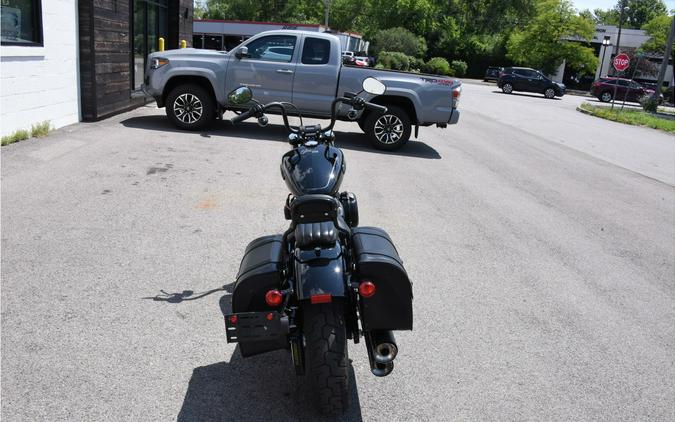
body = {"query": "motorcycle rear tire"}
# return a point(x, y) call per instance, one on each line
point(326, 355)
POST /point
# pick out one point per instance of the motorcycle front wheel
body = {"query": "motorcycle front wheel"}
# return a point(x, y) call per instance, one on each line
point(326, 355)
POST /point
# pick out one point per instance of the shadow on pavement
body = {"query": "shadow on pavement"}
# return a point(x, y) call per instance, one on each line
point(273, 132)
point(257, 388)
point(522, 94)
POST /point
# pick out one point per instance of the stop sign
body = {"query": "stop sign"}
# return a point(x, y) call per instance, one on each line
point(621, 62)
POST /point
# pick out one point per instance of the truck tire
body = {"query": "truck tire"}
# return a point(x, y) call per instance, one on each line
point(362, 124)
point(324, 329)
point(190, 107)
point(388, 131)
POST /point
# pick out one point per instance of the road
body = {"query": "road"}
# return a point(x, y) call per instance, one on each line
point(541, 243)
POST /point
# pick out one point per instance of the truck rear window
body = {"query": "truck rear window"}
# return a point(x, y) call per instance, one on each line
point(315, 51)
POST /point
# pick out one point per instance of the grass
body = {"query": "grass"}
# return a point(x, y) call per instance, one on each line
point(38, 130)
point(631, 116)
point(17, 136)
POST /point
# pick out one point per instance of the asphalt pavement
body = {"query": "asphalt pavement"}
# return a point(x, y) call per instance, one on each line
point(541, 243)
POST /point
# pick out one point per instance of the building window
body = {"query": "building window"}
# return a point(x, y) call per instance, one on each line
point(21, 22)
point(150, 22)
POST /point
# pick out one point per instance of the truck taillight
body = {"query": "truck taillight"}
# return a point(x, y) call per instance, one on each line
point(456, 92)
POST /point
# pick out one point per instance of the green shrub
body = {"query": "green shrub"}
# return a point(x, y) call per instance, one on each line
point(438, 66)
point(459, 67)
point(649, 103)
point(17, 136)
point(416, 65)
point(39, 130)
point(394, 60)
point(379, 66)
point(398, 39)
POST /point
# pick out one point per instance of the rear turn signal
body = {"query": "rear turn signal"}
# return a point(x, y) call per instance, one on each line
point(274, 298)
point(367, 289)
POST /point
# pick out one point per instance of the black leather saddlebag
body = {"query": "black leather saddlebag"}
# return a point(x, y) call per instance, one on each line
point(377, 260)
point(258, 273)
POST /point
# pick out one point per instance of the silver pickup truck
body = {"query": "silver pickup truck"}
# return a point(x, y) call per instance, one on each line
point(301, 67)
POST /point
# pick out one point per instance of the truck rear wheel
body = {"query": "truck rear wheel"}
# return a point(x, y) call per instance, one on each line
point(388, 131)
point(190, 107)
point(325, 334)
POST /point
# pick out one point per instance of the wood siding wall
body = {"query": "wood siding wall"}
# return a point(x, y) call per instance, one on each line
point(106, 53)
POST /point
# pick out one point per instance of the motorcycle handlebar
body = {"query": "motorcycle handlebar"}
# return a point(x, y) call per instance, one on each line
point(243, 116)
point(349, 98)
point(376, 107)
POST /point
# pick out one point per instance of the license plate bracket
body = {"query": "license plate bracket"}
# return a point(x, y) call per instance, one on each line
point(255, 326)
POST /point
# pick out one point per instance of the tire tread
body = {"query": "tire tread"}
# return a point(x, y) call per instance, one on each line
point(327, 361)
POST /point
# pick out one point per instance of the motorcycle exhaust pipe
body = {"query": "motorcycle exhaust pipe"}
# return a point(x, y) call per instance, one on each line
point(382, 369)
point(384, 346)
point(382, 351)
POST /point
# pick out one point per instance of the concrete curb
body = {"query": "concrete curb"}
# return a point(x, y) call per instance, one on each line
point(584, 111)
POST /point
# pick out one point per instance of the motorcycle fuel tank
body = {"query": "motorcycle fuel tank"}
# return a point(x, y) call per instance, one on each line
point(313, 169)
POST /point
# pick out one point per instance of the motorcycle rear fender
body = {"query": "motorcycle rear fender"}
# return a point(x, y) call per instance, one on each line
point(319, 272)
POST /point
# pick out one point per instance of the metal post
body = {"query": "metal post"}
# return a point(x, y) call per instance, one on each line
point(618, 45)
point(183, 44)
point(326, 4)
point(664, 64)
point(161, 44)
point(625, 94)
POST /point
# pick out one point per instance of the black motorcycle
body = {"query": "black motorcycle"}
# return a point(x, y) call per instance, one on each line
point(325, 280)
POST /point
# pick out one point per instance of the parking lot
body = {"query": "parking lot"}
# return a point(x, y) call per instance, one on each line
point(541, 244)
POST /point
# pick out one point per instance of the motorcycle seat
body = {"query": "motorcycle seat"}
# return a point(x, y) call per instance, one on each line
point(314, 209)
point(318, 208)
point(311, 235)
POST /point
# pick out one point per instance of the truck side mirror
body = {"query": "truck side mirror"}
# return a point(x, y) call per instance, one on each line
point(241, 53)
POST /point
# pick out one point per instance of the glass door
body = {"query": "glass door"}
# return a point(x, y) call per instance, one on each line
point(150, 22)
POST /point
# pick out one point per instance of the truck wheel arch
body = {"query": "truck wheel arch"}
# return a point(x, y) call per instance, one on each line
point(185, 80)
point(400, 102)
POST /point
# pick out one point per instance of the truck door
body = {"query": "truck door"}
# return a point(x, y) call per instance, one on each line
point(268, 71)
point(316, 76)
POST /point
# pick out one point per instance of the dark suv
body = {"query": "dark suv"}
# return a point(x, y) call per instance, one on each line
point(632, 91)
point(529, 80)
point(492, 73)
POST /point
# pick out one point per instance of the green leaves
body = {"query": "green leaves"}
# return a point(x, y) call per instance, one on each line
point(398, 39)
point(555, 35)
point(658, 29)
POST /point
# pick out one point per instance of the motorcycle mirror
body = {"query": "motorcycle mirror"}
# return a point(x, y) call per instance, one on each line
point(241, 95)
point(373, 86)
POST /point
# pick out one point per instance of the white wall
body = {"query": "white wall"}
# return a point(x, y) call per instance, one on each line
point(42, 83)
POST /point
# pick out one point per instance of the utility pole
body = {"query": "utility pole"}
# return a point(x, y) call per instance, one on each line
point(622, 4)
point(664, 64)
point(326, 4)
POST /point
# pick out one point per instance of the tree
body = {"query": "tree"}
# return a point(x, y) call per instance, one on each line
point(658, 29)
point(554, 35)
point(640, 12)
point(399, 39)
point(636, 13)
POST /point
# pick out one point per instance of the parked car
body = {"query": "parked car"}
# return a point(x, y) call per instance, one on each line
point(302, 67)
point(492, 73)
point(529, 80)
point(362, 61)
point(629, 89)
